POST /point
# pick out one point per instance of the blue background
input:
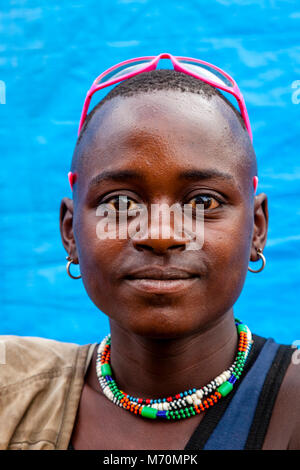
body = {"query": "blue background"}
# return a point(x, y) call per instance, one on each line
point(50, 52)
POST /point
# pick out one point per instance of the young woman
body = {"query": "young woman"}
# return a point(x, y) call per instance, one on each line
point(178, 371)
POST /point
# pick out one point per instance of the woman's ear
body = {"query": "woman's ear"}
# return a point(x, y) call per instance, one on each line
point(261, 220)
point(66, 227)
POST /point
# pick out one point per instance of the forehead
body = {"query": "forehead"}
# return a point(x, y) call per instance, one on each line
point(164, 133)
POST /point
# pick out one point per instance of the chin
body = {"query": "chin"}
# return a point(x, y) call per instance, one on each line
point(161, 327)
point(160, 317)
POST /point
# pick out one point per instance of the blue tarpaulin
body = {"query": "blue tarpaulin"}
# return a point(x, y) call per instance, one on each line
point(50, 52)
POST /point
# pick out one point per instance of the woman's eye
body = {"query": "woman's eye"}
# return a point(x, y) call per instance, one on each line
point(208, 201)
point(121, 204)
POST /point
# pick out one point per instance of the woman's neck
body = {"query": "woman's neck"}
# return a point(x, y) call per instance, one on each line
point(156, 368)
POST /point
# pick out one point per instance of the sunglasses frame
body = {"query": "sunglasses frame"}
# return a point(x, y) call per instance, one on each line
point(151, 64)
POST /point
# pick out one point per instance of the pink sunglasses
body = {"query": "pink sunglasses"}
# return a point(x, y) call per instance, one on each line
point(204, 71)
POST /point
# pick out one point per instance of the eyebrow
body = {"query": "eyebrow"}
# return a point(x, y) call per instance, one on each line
point(118, 175)
point(210, 173)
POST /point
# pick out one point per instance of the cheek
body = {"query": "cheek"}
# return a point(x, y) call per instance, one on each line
point(229, 252)
point(98, 276)
point(96, 257)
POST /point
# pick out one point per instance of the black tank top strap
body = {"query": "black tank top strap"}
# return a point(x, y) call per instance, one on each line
point(268, 397)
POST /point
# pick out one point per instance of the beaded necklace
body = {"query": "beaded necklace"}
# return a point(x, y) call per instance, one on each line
point(183, 405)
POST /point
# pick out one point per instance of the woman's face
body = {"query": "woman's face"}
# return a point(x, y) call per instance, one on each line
point(164, 148)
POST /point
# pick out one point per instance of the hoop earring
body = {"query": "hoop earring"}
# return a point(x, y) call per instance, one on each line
point(260, 254)
point(70, 261)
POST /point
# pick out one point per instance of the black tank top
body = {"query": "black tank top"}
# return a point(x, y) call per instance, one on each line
point(240, 420)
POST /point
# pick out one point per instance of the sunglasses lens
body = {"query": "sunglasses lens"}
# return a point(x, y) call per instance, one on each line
point(121, 71)
point(205, 71)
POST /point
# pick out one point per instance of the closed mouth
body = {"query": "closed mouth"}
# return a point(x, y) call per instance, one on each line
point(155, 280)
point(160, 274)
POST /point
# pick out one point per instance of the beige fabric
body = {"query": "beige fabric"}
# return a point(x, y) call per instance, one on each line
point(40, 386)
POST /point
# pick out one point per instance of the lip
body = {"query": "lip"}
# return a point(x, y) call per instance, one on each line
point(161, 273)
point(161, 280)
point(161, 286)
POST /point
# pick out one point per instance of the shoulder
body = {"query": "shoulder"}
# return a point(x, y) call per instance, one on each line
point(40, 386)
point(23, 357)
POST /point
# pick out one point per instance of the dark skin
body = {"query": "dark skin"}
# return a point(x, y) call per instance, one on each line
point(166, 342)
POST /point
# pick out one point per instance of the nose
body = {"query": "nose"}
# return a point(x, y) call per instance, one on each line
point(160, 237)
point(159, 245)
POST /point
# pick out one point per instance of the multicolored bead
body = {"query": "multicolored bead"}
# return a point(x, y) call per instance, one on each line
point(183, 405)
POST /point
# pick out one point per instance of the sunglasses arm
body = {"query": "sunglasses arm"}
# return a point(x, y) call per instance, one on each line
point(86, 107)
point(244, 114)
